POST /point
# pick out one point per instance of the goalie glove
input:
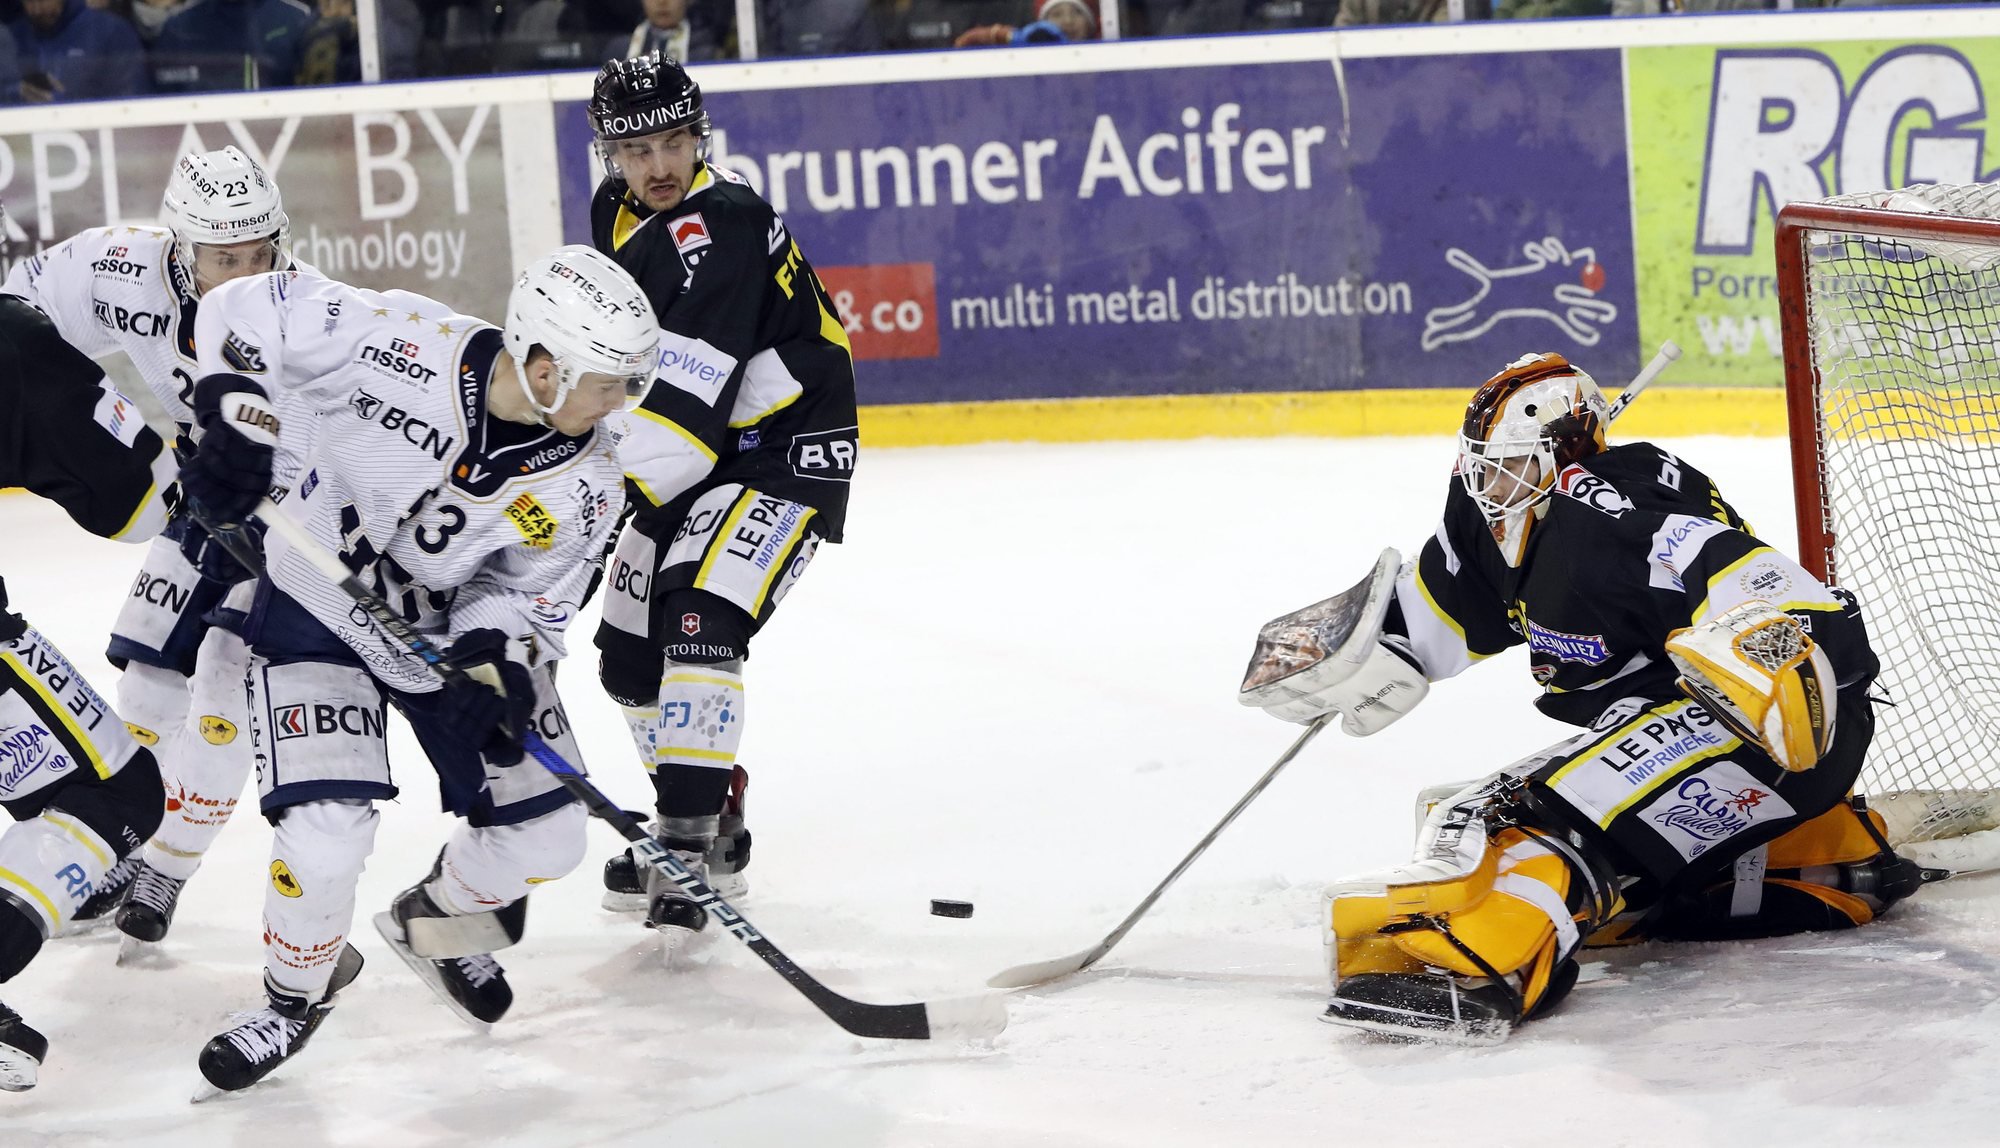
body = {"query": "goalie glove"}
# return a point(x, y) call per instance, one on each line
point(1757, 670)
point(1332, 658)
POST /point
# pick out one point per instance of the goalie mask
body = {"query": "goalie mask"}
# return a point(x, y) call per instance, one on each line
point(1523, 426)
point(589, 315)
point(222, 199)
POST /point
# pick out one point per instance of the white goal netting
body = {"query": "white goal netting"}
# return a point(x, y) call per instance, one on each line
point(1905, 338)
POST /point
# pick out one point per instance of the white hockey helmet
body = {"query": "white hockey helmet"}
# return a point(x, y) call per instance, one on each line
point(220, 198)
point(1524, 425)
point(589, 314)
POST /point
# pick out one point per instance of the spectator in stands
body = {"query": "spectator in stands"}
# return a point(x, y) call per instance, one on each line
point(330, 51)
point(668, 29)
point(231, 45)
point(1544, 9)
point(149, 16)
point(1055, 22)
point(818, 27)
point(67, 50)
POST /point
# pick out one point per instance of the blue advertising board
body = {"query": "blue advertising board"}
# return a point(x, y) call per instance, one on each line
point(1295, 226)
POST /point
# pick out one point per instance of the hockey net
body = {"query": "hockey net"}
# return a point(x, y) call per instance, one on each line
point(1891, 315)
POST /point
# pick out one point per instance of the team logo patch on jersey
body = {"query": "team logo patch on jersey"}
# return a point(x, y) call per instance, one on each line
point(690, 624)
point(533, 520)
point(1765, 579)
point(1592, 491)
point(119, 416)
point(690, 233)
point(827, 455)
point(365, 404)
point(242, 356)
point(1712, 806)
point(290, 722)
point(1588, 649)
point(282, 879)
point(216, 730)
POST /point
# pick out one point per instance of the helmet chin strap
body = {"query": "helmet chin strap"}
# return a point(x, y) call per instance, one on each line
point(565, 383)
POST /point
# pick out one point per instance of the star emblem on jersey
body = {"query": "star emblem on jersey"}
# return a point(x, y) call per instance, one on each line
point(690, 624)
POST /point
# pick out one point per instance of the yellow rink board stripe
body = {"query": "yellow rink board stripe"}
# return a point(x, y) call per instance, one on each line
point(1664, 412)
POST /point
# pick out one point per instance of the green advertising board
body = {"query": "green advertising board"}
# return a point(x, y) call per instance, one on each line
point(1721, 137)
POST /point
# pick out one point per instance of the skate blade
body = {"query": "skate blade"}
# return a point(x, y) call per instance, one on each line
point(18, 1071)
point(95, 924)
point(385, 924)
point(678, 946)
point(205, 1092)
point(1470, 1035)
point(623, 902)
point(134, 952)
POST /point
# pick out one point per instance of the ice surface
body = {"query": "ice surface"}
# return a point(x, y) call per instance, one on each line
point(936, 713)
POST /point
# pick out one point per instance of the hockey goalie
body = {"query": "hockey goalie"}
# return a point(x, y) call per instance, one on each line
point(1721, 688)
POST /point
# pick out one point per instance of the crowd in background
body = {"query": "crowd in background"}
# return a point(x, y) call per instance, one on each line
point(60, 50)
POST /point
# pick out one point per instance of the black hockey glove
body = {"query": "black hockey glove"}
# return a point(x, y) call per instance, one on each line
point(212, 552)
point(491, 705)
point(12, 626)
point(231, 468)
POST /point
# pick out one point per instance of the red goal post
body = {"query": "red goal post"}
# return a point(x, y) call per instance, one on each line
point(1890, 311)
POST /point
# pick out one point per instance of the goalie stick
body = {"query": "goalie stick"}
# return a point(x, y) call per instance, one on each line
point(1042, 972)
point(973, 1016)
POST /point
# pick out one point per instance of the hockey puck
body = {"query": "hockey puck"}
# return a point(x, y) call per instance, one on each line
point(951, 908)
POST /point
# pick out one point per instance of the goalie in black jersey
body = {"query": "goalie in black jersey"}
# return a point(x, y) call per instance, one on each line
point(737, 463)
point(1722, 689)
point(82, 792)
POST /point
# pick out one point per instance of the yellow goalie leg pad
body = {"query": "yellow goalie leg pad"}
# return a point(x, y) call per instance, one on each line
point(1835, 837)
point(1520, 926)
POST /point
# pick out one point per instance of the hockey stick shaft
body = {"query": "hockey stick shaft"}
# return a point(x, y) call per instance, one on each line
point(981, 1016)
point(1654, 368)
point(1022, 976)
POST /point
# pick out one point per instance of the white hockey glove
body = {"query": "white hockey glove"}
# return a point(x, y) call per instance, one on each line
point(1332, 658)
point(1757, 670)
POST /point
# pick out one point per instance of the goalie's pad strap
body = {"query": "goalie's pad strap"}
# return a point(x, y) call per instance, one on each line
point(469, 935)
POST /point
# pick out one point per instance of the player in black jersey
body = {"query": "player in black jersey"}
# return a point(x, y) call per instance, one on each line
point(1722, 689)
point(737, 461)
point(82, 792)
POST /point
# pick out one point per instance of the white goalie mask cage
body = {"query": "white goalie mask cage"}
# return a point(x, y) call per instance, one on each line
point(589, 314)
point(220, 198)
point(1526, 423)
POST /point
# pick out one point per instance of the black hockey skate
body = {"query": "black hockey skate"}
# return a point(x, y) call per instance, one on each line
point(726, 857)
point(475, 987)
point(262, 1039)
point(112, 889)
point(22, 1051)
point(148, 912)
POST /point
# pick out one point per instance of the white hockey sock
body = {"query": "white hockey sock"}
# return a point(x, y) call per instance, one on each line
point(492, 866)
point(317, 854)
point(207, 763)
point(701, 714)
point(52, 864)
point(642, 723)
point(153, 703)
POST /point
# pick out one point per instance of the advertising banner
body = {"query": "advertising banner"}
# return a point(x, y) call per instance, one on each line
point(414, 200)
point(1292, 226)
point(1722, 137)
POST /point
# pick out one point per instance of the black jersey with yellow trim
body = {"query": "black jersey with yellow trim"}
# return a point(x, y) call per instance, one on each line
point(1634, 544)
point(72, 440)
point(756, 379)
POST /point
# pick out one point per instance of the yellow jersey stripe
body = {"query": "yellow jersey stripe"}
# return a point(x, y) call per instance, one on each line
point(737, 510)
point(785, 560)
point(83, 835)
point(61, 711)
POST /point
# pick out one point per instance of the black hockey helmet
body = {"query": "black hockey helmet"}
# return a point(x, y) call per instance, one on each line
point(643, 96)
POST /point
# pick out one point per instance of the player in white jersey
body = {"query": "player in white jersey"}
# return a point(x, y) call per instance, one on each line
point(458, 471)
point(134, 290)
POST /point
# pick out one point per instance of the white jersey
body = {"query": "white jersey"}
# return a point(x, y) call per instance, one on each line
point(120, 288)
point(457, 520)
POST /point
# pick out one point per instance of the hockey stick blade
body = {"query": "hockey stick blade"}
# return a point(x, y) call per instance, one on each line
point(1041, 972)
point(896, 1022)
